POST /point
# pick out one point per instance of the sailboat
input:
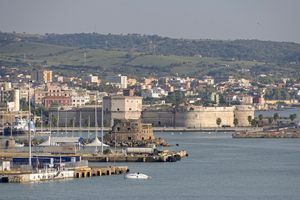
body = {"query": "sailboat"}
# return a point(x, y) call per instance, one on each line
point(96, 143)
point(48, 173)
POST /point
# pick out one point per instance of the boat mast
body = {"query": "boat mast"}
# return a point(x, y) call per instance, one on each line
point(80, 121)
point(102, 127)
point(57, 123)
point(50, 126)
point(3, 123)
point(29, 121)
point(41, 121)
point(89, 125)
point(96, 123)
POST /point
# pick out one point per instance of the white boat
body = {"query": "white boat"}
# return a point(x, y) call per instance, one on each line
point(19, 127)
point(19, 145)
point(137, 176)
point(50, 174)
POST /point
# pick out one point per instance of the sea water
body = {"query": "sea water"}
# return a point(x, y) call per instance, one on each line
point(218, 167)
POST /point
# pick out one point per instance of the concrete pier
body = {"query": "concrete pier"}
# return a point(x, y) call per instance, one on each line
point(85, 172)
point(100, 171)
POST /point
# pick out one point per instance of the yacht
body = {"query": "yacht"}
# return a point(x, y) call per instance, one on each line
point(19, 127)
point(137, 176)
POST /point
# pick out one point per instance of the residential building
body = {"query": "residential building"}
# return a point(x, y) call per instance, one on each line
point(56, 100)
point(41, 76)
point(118, 81)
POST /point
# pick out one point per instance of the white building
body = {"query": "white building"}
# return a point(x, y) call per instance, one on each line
point(209, 80)
point(79, 100)
point(118, 81)
point(156, 92)
point(91, 79)
point(10, 98)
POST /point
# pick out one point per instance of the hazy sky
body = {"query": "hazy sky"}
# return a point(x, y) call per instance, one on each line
point(277, 20)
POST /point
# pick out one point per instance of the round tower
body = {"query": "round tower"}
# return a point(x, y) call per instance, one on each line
point(242, 112)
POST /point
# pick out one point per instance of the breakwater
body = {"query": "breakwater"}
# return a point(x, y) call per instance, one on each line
point(267, 134)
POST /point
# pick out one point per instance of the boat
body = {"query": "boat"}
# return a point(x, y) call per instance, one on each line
point(19, 127)
point(19, 145)
point(137, 176)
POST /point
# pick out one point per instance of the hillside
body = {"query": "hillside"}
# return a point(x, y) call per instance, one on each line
point(141, 54)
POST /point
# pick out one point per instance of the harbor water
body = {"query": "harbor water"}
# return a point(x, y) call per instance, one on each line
point(218, 168)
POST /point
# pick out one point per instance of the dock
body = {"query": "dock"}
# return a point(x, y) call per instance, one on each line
point(41, 175)
point(267, 134)
point(163, 157)
point(100, 171)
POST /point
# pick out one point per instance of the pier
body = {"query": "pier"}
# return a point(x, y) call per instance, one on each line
point(24, 176)
point(166, 156)
point(100, 171)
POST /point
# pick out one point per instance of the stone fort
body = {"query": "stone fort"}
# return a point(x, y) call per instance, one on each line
point(130, 107)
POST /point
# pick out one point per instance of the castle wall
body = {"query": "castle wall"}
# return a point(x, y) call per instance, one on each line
point(205, 117)
point(242, 112)
point(159, 118)
point(197, 117)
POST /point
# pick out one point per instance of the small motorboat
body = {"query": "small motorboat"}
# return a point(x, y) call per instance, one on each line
point(137, 176)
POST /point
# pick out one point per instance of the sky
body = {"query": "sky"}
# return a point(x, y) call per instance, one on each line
point(275, 20)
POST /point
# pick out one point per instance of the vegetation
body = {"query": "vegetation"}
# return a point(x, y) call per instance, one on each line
point(249, 119)
point(293, 117)
point(235, 121)
point(218, 121)
point(137, 55)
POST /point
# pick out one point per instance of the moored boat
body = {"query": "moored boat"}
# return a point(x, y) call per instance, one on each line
point(137, 176)
point(19, 127)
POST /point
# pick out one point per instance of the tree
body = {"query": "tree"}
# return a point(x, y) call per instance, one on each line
point(270, 120)
point(260, 118)
point(292, 117)
point(235, 121)
point(254, 122)
point(53, 120)
point(249, 119)
point(275, 117)
point(219, 121)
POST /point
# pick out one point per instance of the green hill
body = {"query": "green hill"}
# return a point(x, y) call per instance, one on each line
point(135, 54)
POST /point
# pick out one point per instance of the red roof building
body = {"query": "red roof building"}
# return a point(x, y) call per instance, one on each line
point(56, 100)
